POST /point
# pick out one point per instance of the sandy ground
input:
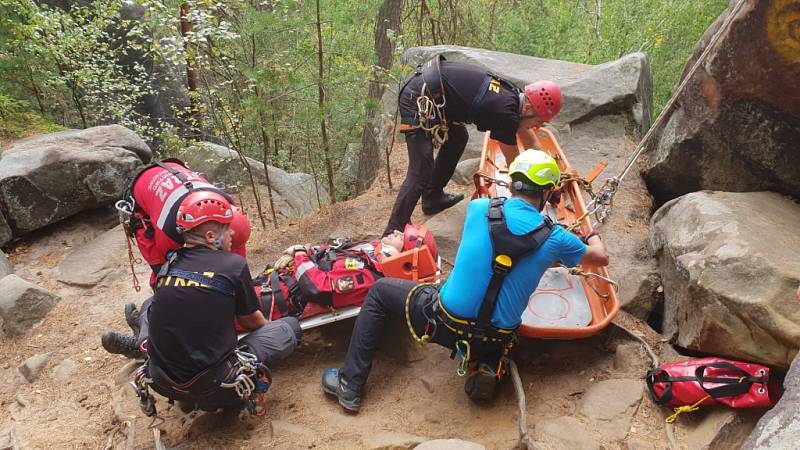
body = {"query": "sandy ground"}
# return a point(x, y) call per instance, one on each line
point(411, 390)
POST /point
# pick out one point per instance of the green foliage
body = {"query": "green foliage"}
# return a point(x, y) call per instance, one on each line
point(79, 65)
point(17, 120)
point(257, 60)
point(667, 30)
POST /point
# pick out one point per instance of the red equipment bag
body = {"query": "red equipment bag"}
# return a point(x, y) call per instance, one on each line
point(685, 385)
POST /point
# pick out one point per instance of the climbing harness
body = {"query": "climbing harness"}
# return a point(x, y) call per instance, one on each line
point(432, 102)
point(430, 324)
point(250, 381)
point(507, 248)
point(248, 378)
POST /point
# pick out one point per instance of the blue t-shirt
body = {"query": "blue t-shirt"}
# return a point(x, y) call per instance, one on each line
point(463, 292)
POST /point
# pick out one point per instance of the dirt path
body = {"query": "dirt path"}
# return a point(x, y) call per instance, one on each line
point(411, 390)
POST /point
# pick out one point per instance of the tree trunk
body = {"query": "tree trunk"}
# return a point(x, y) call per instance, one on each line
point(192, 82)
point(326, 145)
point(369, 161)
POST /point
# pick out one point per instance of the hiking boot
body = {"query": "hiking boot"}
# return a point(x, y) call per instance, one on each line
point(438, 204)
point(132, 317)
point(186, 406)
point(119, 344)
point(481, 384)
point(334, 384)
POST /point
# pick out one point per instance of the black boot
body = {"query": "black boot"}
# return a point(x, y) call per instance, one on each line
point(132, 318)
point(119, 344)
point(481, 384)
point(437, 204)
point(333, 384)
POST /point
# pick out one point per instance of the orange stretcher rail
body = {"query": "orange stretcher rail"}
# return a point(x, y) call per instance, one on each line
point(565, 306)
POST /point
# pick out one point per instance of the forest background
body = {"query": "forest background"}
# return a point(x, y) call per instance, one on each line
point(291, 82)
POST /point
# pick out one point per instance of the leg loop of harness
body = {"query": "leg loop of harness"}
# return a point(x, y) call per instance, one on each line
point(430, 324)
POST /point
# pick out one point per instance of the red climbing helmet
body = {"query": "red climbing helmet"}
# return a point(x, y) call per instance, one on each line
point(203, 206)
point(241, 231)
point(417, 235)
point(545, 97)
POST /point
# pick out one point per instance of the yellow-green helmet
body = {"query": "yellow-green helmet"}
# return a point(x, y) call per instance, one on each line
point(537, 167)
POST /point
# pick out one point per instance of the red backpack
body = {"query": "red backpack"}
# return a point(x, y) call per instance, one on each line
point(150, 205)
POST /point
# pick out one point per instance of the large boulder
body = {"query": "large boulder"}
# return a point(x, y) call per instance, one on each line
point(91, 263)
point(48, 178)
point(729, 266)
point(294, 194)
point(22, 304)
point(737, 122)
point(780, 426)
point(6, 267)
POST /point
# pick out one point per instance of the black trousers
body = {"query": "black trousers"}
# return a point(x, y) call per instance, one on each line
point(426, 177)
point(385, 301)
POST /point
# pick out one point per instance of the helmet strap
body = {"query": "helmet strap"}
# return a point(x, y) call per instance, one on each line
point(221, 237)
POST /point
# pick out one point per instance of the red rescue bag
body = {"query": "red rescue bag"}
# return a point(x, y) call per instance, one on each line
point(687, 385)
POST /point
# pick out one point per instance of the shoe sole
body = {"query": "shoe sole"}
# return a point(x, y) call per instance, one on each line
point(346, 405)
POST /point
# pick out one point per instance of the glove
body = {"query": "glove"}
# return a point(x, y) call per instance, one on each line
point(294, 249)
point(283, 262)
point(286, 260)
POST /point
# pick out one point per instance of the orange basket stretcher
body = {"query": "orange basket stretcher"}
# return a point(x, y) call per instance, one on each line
point(565, 305)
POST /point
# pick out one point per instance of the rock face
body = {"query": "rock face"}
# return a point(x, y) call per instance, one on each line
point(22, 304)
point(566, 432)
point(89, 264)
point(611, 404)
point(737, 122)
point(722, 429)
point(393, 440)
point(51, 177)
point(447, 227)
point(294, 194)
point(5, 265)
point(730, 270)
point(780, 426)
point(465, 169)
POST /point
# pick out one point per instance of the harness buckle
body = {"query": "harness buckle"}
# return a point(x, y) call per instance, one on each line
point(502, 264)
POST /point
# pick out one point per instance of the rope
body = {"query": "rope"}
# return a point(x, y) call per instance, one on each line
point(582, 183)
point(686, 409)
point(132, 261)
point(425, 338)
point(525, 440)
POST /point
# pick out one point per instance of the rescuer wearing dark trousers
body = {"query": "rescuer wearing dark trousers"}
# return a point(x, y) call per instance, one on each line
point(435, 103)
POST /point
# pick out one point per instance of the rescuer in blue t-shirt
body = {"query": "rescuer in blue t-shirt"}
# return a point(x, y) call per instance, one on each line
point(505, 248)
